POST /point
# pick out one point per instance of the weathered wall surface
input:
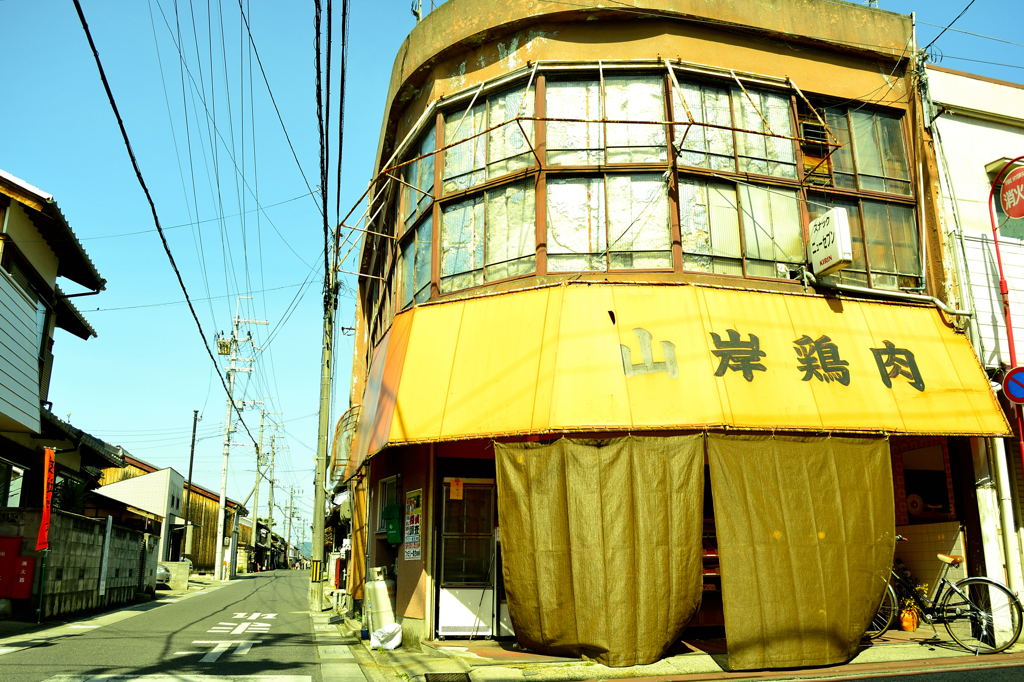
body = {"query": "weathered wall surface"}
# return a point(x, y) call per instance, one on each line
point(73, 563)
point(463, 42)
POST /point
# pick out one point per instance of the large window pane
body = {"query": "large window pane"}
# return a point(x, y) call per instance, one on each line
point(635, 98)
point(703, 146)
point(414, 266)
point(464, 163)
point(842, 157)
point(510, 246)
point(772, 231)
point(639, 233)
point(507, 149)
point(576, 238)
point(759, 153)
point(406, 274)
point(573, 144)
point(709, 226)
point(881, 155)
point(879, 239)
point(462, 244)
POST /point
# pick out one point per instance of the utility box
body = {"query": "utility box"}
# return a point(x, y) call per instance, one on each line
point(10, 548)
point(392, 518)
point(24, 572)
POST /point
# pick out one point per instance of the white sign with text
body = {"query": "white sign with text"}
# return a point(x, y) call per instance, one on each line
point(830, 248)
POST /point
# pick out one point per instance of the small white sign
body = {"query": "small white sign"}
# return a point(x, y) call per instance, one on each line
point(830, 248)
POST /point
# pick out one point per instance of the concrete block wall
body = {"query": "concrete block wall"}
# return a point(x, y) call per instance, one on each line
point(74, 560)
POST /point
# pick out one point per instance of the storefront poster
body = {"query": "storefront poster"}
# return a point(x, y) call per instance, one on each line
point(413, 509)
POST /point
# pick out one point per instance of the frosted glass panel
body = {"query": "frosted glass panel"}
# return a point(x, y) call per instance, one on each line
point(507, 149)
point(635, 98)
point(511, 231)
point(573, 143)
point(576, 238)
point(464, 163)
point(462, 244)
point(638, 221)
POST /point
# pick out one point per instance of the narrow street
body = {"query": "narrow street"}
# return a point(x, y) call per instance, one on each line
point(258, 625)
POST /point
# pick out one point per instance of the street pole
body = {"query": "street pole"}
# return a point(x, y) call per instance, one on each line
point(188, 488)
point(218, 569)
point(270, 519)
point(256, 498)
point(316, 592)
point(288, 542)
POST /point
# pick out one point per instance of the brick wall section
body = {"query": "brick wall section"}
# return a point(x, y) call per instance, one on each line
point(73, 563)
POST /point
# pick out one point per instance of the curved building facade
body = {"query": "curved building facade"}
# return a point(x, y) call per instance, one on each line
point(595, 303)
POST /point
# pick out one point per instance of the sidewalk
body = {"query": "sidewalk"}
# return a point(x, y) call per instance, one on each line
point(692, 660)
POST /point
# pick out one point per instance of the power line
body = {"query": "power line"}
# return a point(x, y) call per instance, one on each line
point(976, 35)
point(152, 206)
point(943, 31)
point(259, 61)
point(979, 61)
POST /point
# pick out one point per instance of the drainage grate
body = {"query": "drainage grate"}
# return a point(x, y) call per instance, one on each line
point(447, 677)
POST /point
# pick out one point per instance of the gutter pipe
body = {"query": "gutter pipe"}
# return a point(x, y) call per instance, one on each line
point(921, 298)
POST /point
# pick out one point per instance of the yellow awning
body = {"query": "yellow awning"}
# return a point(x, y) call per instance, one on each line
point(587, 358)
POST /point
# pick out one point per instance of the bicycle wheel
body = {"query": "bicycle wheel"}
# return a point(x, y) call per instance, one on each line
point(983, 616)
point(885, 615)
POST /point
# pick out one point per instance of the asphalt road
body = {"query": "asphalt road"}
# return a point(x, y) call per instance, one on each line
point(257, 625)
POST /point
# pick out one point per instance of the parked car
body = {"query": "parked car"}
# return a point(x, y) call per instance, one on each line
point(163, 576)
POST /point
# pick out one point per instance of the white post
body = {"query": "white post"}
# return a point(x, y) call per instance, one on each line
point(104, 561)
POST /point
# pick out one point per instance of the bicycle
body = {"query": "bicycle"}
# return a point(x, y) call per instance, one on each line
point(981, 615)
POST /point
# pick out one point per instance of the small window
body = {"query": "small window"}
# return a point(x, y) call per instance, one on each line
point(759, 153)
point(488, 237)
point(892, 245)
point(713, 217)
point(618, 222)
point(387, 496)
point(704, 146)
point(418, 179)
point(503, 149)
point(414, 266)
point(574, 143)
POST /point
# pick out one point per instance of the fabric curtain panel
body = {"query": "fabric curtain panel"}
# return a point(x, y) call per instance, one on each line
point(601, 544)
point(806, 536)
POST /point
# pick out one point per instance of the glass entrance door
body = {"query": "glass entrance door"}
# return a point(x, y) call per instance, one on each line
point(466, 600)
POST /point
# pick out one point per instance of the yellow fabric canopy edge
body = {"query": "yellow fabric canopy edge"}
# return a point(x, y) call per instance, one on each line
point(568, 359)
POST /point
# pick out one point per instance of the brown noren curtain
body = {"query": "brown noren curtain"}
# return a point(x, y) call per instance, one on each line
point(805, 536)
point(601, 544)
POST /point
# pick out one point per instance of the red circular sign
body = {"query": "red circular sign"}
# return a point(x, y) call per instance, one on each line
point(1013, 385)
point(1012, 194)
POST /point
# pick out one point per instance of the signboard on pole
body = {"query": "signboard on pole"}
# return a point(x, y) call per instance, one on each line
point(1013, 385)
point(830, 248)
point(43, 541)
point(1011, 196)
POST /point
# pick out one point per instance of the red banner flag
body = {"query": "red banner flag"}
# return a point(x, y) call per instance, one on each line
point(44, 525)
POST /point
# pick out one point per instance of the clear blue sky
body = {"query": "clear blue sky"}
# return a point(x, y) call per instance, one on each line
point(138, 382)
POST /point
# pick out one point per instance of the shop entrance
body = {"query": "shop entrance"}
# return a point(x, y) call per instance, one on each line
point(469, 586)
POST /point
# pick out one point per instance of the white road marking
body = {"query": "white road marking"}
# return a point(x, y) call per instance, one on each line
point(256, 616)
point(215, 653)
point(186, 653)
point(223, 645)
point(11, 649)
point(83, 627)
point(180, 678)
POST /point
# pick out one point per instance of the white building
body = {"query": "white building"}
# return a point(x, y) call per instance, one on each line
point(978, 127)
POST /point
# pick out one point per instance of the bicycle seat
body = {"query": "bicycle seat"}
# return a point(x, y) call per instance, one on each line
point(951, 560)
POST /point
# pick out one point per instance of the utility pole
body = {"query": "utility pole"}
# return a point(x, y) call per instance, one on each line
point(316, 575)
point(231, 348)
point(270, 519)
point(260, 460)
point(288, 543)
point(188, 488)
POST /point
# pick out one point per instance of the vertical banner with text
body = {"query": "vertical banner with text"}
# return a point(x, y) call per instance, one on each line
point(43, 542)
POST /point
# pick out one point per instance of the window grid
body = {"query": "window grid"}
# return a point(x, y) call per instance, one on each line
point(675, 119)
